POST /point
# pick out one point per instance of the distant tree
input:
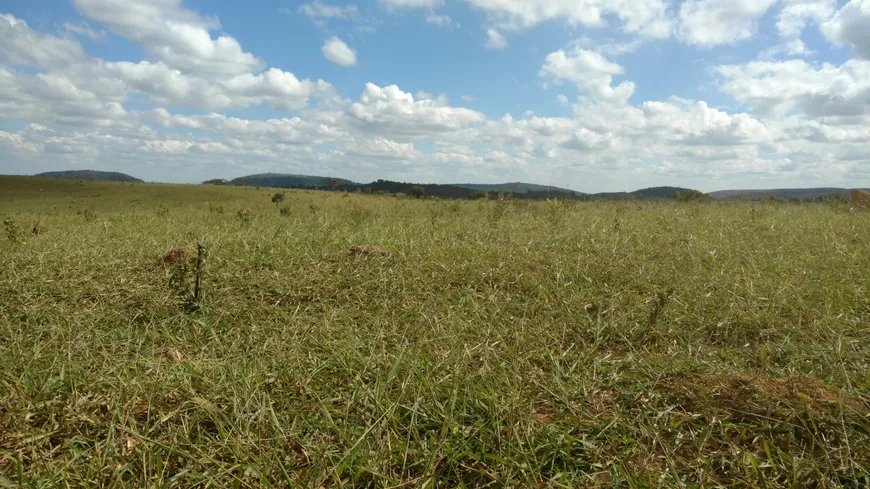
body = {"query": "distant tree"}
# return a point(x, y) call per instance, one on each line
point(332, 183)
point(215, 181)
point(277, 199)
point(417, 191)
point(691, 196)
point(478, 194)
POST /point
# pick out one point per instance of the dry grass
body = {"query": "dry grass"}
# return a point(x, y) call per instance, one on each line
point(369, 250)
point(503, 344)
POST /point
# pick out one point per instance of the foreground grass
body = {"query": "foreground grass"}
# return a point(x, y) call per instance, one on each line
point(501, 344)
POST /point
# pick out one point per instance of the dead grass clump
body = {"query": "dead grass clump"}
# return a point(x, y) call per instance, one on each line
point(171, 355)
point(742, 392)
point(179, 255)
point(369, 250)
point(860, 199)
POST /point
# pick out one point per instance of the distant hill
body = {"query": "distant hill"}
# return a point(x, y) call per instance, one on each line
point(281, 180)
point(518, 187)
point(107, 176)
point(448, 191)
point(652, 193)
point(783, 193)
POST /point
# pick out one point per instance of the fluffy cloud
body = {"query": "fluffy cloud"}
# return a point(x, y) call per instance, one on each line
point(82, 29)
point(408, 4)
point(318, 9)
point(494, 40)
point(712, 22)
point(439, 20)
point(794, 86)
point(166, 110)
point(796, 14)
point(177, 36)
point(592, 73)
point(646, 17)
point(21, 45)
point(335, 50)
point(795, 47)
point(391, 110)
point(851, 25)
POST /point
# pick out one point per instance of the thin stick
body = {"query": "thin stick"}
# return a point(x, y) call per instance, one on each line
point(200, 255)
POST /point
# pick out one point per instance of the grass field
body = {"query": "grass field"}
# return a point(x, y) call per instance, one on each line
point(500, 344)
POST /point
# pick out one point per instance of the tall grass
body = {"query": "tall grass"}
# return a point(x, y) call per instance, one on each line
point(499, 344)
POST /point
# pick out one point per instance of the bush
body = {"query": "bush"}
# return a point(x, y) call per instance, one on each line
point(478, 194)
point(285, 211)
point(417, 191)
point(215, 209)
point(277, 199)
point(691, 196)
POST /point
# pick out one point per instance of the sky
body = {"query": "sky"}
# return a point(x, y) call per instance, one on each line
point(592, 95)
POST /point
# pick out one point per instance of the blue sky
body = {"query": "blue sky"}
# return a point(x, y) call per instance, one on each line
point(590, 94)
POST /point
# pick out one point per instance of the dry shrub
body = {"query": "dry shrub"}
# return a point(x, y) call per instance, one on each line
point(745, 393)
point(369, 250)
point(38, 228)
point(179, 255)
point(860, 199)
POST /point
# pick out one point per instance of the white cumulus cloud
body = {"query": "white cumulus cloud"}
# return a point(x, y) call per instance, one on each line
point(494, 40)
point(335, 50)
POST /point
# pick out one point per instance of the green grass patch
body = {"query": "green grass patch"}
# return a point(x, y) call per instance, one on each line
point(461, 343)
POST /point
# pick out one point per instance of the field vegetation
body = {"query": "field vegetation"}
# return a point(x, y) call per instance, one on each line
point(361, 340)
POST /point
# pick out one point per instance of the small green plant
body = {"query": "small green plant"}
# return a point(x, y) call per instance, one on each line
point(555, 211)
point(285, 211)
point(215, 209)
point(13, 231)
point(162, 211)
point(90, 216)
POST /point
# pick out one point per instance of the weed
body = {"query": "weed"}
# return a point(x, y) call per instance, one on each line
point(14, 233)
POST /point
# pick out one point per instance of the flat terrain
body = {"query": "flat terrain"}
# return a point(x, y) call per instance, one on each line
point(476, 344)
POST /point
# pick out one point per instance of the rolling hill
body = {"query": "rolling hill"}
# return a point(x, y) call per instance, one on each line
point(281, 180)
point(652, 193)
point(518, 187)
point(783, 193)
point(107, 176)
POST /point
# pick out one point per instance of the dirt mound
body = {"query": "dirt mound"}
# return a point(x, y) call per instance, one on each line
point(860, 199)
point(369, 250)
point(742, 392)
point(179, 255)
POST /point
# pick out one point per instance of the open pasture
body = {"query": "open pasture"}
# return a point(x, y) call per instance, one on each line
point(463, 343)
